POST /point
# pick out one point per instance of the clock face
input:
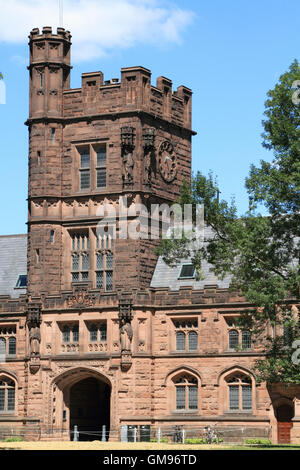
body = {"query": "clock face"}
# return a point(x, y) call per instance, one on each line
point(167, 161)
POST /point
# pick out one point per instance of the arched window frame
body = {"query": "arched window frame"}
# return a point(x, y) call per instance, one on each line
point(186, 390)
point(8, 395)
point(233, 339)
point(236, 386)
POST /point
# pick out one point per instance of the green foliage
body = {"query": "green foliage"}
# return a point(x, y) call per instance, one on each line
point(195, 441)
point(13, 439)
point(262, 442)
point(162, 439)
point(260, 253)
point(1, 76)
point(202, 440)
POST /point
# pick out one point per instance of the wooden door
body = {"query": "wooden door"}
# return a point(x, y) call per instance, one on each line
point(284, 414)
point(284, 432)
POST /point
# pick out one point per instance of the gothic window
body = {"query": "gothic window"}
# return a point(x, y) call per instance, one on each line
point(104, 262)
point(80, 257)
point(239, 338)
point(92, 166)
point(246, 339)
point(98, 332)
point(233, 339)
point(7, 395)
point(101, 167)
point(84, 170)
point(239, 392)
point(186, 334)
point(8, 341)
point(70, 333)
point(66, 334)
point(186, 390)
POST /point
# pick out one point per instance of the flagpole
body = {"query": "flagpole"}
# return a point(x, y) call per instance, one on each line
point(61, 13)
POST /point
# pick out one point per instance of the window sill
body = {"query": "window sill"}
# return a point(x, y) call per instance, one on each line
point(239, 412)
point(184, 412)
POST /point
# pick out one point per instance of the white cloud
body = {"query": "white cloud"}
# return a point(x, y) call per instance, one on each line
point(97, 26)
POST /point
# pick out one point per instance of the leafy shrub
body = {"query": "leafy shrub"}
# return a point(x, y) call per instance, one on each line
point(195, 441)
point(13, 439)
point(262, 442)
point(202, 440)
point(162, 439)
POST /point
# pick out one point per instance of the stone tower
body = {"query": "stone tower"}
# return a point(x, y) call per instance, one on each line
point(90, 146)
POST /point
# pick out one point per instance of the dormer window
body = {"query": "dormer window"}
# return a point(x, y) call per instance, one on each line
point(21, 282)
point(187, 271)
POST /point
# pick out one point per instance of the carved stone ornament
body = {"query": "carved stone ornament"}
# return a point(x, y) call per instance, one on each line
point(126, 332)
point(127, 143)
point(149, 157)
point(33, 322)
point(81, 299)
point(167, 161)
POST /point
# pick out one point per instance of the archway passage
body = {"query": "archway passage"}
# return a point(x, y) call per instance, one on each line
point(284, 415)
point(90, 408)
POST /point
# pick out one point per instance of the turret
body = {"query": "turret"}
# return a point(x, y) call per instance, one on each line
point(49, 71)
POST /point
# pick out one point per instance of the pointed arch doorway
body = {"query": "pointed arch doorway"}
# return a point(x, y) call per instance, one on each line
point(89, 407)
point(81, 397)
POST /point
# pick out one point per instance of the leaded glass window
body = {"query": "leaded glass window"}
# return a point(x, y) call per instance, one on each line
point(7, 395)
point(75, 333)
point(93, 333)
point(240, 392)
point(12, 345)
point(180, 398)
point(186, 333)
point(186, 392)
point(180, 341)
point(193, 341)
point(66, 335)
point(246, 339)
point(233, 339)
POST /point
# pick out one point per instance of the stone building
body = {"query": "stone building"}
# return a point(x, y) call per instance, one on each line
point(94, 329)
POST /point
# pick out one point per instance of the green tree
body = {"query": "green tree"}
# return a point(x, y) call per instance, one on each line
point(261, 253)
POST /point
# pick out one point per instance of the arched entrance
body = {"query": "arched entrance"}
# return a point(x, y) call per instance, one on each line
point(89, 407)
point(284, 414)
point(81, 396)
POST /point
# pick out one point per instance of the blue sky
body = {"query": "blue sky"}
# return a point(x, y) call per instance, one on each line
point(229, 52)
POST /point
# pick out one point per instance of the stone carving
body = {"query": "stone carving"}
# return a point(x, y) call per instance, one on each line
point(149, 147)
point(126, 332)
point(81, 299)
point(127, 139)
point(126, 335)
point(33, 323)
point(35, 340)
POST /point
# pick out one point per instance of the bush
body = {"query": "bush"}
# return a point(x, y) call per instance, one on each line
point(13, 439)
point(162, 439)
point(262, 442)
point(195, 441)
point(202, 440)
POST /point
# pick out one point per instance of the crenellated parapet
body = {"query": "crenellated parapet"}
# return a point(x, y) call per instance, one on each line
point(133, 92)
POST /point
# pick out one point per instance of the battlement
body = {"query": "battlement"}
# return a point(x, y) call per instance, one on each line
point(134, 91)
point(48, 34)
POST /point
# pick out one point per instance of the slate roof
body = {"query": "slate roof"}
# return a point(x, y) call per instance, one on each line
point(13, 262)
point(165, 276)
